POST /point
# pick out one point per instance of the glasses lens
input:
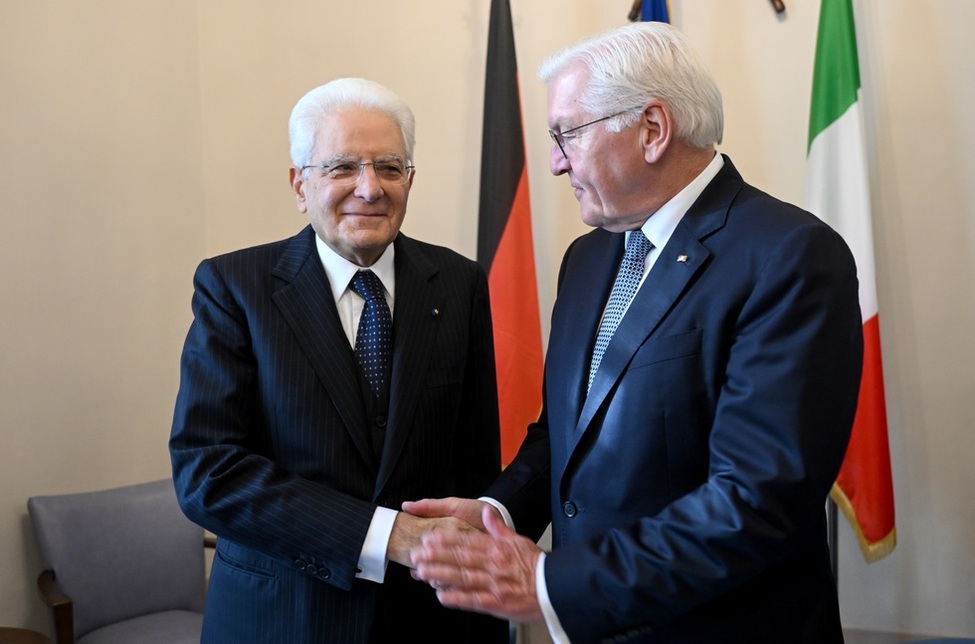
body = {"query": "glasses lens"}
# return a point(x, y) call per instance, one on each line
point(557, 137)
point(392, 172)
point(348, 172)
point(343, 172)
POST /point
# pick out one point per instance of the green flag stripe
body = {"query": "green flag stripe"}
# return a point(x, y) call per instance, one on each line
point(836, 75)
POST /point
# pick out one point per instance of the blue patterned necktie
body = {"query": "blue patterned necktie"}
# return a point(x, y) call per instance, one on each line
point(374, 339)
point(627, 282)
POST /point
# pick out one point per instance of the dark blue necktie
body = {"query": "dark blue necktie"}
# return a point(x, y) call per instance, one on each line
point(374, 339)
point(625, 287)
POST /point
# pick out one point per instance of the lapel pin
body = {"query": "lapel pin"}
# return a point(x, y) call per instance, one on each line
point(435, 312)
point(682, 258)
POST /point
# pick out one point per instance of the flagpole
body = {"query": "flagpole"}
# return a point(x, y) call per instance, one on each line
point(831, 536)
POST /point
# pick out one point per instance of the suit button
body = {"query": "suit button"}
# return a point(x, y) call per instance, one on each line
point(380, 421)
point(569, 509)
point(324, 573)
point(300, 564)
point(312, 569)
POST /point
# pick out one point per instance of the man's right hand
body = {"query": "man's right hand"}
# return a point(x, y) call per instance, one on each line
point(467, 510)
point(426, 516)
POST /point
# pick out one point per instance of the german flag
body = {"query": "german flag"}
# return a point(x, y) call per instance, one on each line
point(504, 239)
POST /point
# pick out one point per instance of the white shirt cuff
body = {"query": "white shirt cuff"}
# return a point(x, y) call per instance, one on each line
point(500, 508)
point(372, 559)
point(548, 612)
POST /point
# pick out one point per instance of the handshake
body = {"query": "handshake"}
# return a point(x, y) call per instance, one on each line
point(464, 549)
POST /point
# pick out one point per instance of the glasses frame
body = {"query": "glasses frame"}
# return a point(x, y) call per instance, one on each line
point(409, 168)
point(559, 137)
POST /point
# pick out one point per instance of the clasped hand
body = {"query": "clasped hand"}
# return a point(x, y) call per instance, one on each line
point(477, 563)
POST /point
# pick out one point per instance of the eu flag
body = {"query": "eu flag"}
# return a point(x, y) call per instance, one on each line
point(657, 10)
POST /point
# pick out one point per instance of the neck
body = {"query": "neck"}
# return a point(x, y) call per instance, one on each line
point(678, 168)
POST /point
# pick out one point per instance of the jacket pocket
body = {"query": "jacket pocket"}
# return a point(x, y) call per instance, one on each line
point(668, 347)
point(245, 560)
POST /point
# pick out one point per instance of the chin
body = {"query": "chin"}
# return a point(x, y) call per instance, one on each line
point(594, 220)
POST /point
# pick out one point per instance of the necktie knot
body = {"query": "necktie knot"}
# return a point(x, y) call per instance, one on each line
point(637, 247)
point(368, 285)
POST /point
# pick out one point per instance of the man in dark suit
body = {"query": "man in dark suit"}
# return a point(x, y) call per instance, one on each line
point(296, 453)
point(684, 458)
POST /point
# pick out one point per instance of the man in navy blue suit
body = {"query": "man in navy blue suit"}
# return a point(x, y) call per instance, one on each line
point(292, 451)
point(691, 432)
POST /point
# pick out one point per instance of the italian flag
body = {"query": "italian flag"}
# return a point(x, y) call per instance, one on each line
point(837, 189)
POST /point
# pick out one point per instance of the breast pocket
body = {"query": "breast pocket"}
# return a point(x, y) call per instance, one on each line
point(670, 347)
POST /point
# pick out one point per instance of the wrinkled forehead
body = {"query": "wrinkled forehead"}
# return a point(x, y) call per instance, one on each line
point(564, 91)
point(358, 134)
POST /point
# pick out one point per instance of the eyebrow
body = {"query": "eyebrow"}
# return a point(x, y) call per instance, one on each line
point(351, 158)
point(559, 122)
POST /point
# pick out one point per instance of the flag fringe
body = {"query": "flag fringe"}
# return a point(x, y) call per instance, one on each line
point(872, 552)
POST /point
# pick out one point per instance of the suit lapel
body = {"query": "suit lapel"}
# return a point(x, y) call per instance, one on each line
point(663, 286)
point(680, 260)
point(418, 302)
point(571, 344)
point(305, 301)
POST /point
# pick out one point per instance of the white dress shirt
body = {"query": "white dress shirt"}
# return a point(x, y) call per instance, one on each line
point(340, 271)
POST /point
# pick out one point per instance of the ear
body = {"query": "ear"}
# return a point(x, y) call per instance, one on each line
point(297, 178)
point(657, 129)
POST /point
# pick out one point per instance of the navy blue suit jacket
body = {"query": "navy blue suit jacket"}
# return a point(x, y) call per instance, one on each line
point(271, 447)
point(687, 491)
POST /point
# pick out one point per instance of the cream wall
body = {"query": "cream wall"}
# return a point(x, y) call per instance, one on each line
point(138, 136)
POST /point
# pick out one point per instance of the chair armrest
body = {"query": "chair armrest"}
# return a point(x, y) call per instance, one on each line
point(60, 604)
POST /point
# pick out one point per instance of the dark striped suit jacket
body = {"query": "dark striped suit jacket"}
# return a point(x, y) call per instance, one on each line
point(271, 447)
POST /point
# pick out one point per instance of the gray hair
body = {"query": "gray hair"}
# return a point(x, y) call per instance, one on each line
point(630, 65)
point(341, 94)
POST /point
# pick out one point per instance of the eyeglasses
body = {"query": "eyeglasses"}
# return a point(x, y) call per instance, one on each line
point(346, 173)
point(559, 137)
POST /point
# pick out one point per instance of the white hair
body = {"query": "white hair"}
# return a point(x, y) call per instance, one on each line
point(630, 65)
point(340, 94)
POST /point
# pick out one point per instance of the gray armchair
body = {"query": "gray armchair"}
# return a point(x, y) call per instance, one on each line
point(120, 565)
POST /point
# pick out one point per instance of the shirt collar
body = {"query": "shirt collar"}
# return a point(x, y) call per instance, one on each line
point(660, 226)
point(340, 270)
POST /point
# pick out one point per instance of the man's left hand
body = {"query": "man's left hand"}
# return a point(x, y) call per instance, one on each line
point(492, 572)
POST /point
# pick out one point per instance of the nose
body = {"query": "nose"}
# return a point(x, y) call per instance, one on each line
point(557, 161)
point(367, 185)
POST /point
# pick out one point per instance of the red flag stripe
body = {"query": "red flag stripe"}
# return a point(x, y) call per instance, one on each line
point(505, 239)
point(863, 489)
point(514, 309)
